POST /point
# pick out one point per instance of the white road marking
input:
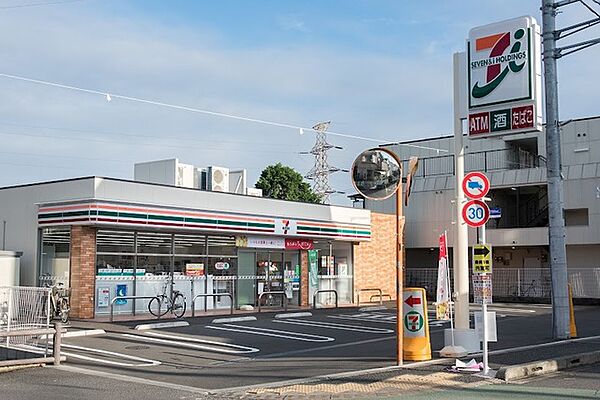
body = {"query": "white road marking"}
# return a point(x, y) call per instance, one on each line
point(251, 330)
point(365, 317)
point(329, 325)
point(222, 347)
point(146, 362)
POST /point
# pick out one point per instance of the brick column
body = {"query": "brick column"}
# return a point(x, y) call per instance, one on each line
point(83, 271)
point(375, 261)
point(304, 278)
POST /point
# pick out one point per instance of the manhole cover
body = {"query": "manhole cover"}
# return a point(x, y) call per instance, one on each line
point(138, 347)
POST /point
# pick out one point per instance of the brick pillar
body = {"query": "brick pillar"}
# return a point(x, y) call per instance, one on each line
point(375, 261)
point(304, 278)
point(83, 271)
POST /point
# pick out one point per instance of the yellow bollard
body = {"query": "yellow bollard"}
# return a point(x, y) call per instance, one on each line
point(572, 326)
point(417, 346)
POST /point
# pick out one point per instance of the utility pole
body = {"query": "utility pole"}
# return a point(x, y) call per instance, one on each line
point(556, 230)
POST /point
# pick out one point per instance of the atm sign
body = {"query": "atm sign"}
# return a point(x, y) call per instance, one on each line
point(498, 121)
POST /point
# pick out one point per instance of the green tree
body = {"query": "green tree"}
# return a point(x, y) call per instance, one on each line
point(282, 182)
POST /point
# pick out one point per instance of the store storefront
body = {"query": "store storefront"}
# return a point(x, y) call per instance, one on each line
point(104, 239)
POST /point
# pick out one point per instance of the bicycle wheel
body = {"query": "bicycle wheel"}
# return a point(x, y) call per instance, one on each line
point(63, 309)
point(158, 306)
point(178, 305)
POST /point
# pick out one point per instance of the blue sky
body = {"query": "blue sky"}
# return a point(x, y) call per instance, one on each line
point(380, 69)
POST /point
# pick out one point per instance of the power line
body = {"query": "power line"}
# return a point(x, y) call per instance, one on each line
point(109, 96)
point(142, 143)
point(48, 3)
point(137, 135)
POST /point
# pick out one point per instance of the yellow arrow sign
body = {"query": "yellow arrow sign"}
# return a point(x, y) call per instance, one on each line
point(482, 259)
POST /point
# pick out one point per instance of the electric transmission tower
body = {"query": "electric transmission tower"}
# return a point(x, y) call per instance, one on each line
point(321, 170)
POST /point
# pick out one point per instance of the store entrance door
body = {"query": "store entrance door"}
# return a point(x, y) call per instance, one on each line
point(246, 282)
point(270, 276)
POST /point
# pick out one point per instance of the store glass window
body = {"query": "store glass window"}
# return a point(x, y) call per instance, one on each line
point(154, 243)
point(222, 266)
point(189, 265)
point(115, 252)
point(190, 245)
point(115, 242)
point(221, 246)
point(55, 255)
point(154, 264)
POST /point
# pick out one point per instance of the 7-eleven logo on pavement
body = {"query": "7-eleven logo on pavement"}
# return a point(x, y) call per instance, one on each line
point(413, 321)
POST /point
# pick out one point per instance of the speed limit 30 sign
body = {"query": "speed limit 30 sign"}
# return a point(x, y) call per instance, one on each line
point(475, 213)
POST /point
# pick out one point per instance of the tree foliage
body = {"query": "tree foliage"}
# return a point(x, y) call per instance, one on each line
point(282, 182)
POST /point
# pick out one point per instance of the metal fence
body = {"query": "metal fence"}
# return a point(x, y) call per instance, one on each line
point(24, 309)
point(486, 161)
point(517, 283)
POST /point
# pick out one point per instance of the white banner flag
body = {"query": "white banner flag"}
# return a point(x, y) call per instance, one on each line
point(442, 310)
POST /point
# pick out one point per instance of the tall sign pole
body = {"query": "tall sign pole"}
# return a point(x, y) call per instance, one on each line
point(461, 240)
point(377, 175)
point(556, 231)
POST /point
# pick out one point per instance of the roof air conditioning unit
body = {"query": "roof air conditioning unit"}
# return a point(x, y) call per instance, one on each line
point(219, 179)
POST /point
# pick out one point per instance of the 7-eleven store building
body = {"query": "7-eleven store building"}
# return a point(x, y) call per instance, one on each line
point(104, 237)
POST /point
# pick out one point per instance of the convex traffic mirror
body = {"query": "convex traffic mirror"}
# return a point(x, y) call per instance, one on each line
point(376, 174)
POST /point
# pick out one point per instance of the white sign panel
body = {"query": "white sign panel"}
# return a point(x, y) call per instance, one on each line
point(504, 78)
point(103, 297)
point(492, 332)
point(482, 288)
point(414, 317)
point(285, 227)
point(265, 242)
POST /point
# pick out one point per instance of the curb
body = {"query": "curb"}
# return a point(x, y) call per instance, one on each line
point(233, 319)
point(521, 371)
point(293, 315)
point(159, 325)
point(372, 308)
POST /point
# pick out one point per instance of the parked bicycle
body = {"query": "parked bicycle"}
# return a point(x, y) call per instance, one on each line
point(60, 305)
point(162, 303)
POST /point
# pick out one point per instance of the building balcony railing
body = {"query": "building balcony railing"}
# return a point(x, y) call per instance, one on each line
point(486, 161)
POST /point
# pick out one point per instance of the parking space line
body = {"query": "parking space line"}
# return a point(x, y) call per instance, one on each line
point(329, 325)
point(233, 348)
point(251, 330)
point(364, 317)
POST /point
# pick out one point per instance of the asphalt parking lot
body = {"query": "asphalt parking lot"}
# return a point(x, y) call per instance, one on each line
point(217, 356)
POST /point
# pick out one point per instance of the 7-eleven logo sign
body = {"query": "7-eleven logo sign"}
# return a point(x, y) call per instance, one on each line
point(500, 62)
point(285, 227)
point(413, 321)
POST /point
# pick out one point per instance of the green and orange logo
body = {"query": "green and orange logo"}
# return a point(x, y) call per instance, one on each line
point(497, 45)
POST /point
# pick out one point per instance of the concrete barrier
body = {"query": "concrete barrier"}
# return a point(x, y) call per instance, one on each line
point(521, 371)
